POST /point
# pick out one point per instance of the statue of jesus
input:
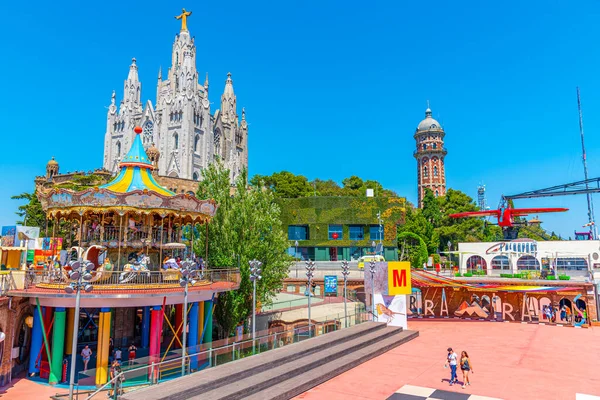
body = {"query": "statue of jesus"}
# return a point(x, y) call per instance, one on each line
point(183, 18)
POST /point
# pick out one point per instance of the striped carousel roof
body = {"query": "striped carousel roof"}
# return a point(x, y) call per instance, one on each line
point(136, 172)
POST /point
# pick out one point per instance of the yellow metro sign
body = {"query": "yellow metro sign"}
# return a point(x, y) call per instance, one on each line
point(399, 281)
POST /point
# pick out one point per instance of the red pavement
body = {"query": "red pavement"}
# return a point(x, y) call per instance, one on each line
point(510, 360)
point(24, 389)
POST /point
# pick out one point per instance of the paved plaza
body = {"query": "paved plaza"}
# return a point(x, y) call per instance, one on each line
point(510, 360)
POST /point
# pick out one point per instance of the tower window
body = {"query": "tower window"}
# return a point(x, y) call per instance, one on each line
point(196, 141)
point(435, 171)
point(425, 172)
point(434, 146)
point(175, 141)
point(437, 193)
point(195, 176)
point(118, 149)
point(424, 146)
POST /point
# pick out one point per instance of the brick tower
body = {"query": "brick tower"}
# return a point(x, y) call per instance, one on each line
point(430, 154)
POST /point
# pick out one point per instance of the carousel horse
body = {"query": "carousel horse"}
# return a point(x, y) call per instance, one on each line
point(133, 269)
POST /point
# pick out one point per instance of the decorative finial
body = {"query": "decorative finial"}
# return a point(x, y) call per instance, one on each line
point(183, 17)
point(160, 72)
point(113, 98)
point(206, 81)
point(138, 129)
point(133, 60)
point(243, 113)
point(229, 75)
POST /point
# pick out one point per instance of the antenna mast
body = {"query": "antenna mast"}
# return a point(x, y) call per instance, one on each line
point(590, 204)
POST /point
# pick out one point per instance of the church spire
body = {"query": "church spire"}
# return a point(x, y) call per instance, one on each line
point(228, 101)
point(160, 73)
point(133, 87)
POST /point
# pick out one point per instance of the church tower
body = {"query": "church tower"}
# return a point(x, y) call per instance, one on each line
point(180, 128)
point(430, 153)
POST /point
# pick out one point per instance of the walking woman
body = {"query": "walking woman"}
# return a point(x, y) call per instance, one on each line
point(465, 366)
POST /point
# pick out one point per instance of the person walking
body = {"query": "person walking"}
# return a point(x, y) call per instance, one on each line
point(452, 360)
point(465, 367)
point(86, 354)
point(115, 385)
point(118, 355)
point(132, 352)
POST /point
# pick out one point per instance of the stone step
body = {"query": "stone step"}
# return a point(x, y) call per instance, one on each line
point(259, 381)
point(299, 384)
point(213, 378)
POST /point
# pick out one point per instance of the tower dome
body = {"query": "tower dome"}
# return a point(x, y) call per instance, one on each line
point(429, 123)
point(51, 169)
point(153, 155)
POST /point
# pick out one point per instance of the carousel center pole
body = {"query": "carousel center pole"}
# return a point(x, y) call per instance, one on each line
point(162, 228)
point(80, 257)
point(120, 239)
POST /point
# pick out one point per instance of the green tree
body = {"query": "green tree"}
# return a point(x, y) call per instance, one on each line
point(284, 184)
point(412, 247)
point(326, 188)
point(246, 226)
point(431, 208)
point(31, 212)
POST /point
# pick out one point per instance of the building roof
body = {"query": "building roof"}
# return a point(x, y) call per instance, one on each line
point(429, 123)
point(136, 172)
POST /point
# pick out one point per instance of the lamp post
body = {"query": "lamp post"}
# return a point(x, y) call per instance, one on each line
point(380, 229)
point(345, 273)
point(372, 271)
point(80, 276)
point(189, 273)
point(296, 257)
point(255, 276)
point(310, 270)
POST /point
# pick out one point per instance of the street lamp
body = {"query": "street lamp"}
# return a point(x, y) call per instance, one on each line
point(380, 227)
point(310, 273)
point(296, 244)
point(255, 272)
point(80, 276)
point(189, 274)
point(345, 273)
point(372, 271)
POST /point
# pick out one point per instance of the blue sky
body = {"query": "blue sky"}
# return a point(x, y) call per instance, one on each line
point(331, 89)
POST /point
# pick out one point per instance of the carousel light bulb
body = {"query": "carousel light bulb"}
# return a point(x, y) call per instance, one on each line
point(89, 266)
point(87, 276)
point(88, 288)
point(74, 275)
point(182, 282)
point(69, 289)
point(74, 265)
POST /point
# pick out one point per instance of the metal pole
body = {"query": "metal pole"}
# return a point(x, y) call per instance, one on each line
point(345, 305)
point(183, 346)
point(309, 296)
point(253, 316)
point(590, 204)
point(74, 344)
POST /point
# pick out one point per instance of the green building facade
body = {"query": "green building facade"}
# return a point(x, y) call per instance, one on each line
point(342, 228)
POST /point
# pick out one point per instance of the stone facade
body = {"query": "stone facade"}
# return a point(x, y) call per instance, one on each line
point(186, 135)
point(430, 153)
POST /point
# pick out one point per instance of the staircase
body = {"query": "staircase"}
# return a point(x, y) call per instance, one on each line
point(285, 372)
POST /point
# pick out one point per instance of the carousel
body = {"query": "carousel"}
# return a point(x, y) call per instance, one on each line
point(130, 226)
point(135, 240)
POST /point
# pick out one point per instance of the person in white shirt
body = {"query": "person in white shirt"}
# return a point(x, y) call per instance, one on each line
point(86, 353)
point(118, 355)
point(452, 360)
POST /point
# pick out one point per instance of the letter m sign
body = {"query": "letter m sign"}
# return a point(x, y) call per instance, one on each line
point(399, 281)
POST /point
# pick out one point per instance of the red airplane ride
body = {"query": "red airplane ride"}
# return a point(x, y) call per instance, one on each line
point(505, 215)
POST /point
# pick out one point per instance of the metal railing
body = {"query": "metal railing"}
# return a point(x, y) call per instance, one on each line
point(6, 282)
point(130, 280)
point(152, 372)
point(154, 235)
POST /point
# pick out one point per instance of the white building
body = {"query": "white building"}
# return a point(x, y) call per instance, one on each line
point(183, 134)
point(573, 257)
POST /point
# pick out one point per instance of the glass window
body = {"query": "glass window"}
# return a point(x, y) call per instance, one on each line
point(500, 262)
point(425, 172)
point(573, 263)
point(528, 263)
point(375, 233)
point(434, 146)
point(424, 147)
point(357, 232)
point(435, 171)
point(335, 232)
point(297, 232)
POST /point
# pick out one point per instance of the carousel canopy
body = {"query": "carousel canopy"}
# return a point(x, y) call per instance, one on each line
point(133, 190)
point(136, 173)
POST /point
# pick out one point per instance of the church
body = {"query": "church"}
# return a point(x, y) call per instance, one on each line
point(180, 135)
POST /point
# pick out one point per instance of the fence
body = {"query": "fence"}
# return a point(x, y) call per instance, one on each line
point(152, 372)
point(130, 280)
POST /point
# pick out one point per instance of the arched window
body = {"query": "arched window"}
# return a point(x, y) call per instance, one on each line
point(501, 263)
point(528, 262)
point(425, 172)
point(180, 115)
point(424, 146)
point(195, 176)
point(147, 134)
point(476, 263)
point(437, 193)
point(435, 170)
point(196, 141)
point(217, 140)
point(118, 149)
point(434, 146)
point(175, 141)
